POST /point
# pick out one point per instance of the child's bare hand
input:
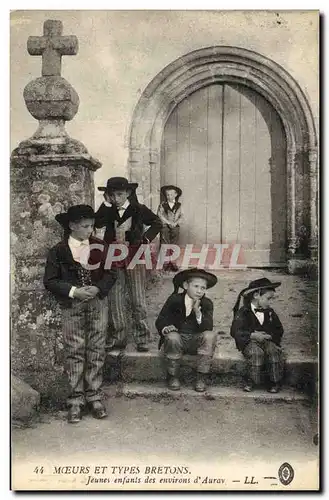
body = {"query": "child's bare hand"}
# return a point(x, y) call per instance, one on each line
point(92, 291)
point(197, 307)
point(82, 293)
point(259, 336)
point(266, 336)
point(168, 329)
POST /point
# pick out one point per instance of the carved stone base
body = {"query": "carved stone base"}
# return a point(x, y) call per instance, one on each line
point(304, 267)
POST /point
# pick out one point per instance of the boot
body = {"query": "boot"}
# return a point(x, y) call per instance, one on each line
point(200, 385)
point(274, 388)
point(173, 383)
point(74, 414)
point(172, 378)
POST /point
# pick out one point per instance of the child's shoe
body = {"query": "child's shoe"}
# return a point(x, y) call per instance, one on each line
point(74, 414)
point(173, 383)
point(248, 387)
point(274, 388)
point(200, 385)
point(98, 409)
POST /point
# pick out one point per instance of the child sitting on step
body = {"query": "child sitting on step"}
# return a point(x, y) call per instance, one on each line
point(257, 331)
point(185, 325)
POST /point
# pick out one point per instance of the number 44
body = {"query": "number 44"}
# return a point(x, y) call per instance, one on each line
point(38, 470)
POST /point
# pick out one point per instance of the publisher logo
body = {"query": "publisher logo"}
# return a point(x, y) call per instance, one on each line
point(286, 474)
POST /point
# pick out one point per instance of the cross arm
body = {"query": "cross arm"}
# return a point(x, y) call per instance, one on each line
point(36, 45)
point(66, 45)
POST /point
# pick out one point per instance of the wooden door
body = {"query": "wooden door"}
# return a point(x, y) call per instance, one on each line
point(224, 146)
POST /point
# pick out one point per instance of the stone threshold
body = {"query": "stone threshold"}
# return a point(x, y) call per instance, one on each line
point(227, 368)
point(159, 391)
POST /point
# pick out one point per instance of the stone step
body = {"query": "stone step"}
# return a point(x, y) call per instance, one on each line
point(158, 391)
point(227, 368)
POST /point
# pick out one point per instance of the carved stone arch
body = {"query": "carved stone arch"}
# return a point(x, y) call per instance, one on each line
point(223, 64)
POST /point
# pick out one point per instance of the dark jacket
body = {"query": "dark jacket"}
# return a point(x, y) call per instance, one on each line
point(140, 214)
point(174, 313)
point(62, 271)
point(246, 322)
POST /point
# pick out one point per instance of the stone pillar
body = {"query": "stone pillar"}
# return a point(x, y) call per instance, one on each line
point(49, 172)
point(302, 212)
point(314, 201)
point(155, 179)
point(139, 171)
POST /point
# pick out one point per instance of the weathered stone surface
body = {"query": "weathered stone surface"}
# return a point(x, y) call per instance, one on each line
point(24, 400)
point(43, 148)
point(51, 97)
point(52, 46)
point(38, 194)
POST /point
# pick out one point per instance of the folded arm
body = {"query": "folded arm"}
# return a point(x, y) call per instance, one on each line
point(207, 315)
point(240, 330)
point(165, 317)
point(150, 219)
point(162, 216)
point(52, 278)
point(102, 216)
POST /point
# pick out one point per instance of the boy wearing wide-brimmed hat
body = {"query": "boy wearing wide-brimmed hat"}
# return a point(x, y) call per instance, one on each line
point(124, 219)
point(75, 274)
point(171, 216)
point(258, 331)
point(185, 325)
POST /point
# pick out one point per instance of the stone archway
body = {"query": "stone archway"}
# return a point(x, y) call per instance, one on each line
point(220, 64)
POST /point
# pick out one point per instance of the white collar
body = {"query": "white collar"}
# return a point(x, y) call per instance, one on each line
point(171, 203)
point(188, 299)
point(125, 205)
point(77, 243)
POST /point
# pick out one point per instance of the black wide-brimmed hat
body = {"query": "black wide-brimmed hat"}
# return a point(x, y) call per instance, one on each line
point(194, 272)
point(171, 186)
point(254, 286)
point(118, 184)
point(74, 214)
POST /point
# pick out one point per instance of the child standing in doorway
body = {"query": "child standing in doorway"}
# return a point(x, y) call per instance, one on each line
point(171, 215)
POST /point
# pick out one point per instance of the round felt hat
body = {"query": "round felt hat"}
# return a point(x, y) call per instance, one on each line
point(74, 214)
point(194, 272)
point(174, 188)
point(118, 184)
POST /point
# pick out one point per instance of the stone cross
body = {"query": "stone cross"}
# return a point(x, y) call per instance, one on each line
point(52, 46)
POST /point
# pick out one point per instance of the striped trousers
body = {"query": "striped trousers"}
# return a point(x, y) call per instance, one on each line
point(84, 336)
point(257, 354)
point(130, 284)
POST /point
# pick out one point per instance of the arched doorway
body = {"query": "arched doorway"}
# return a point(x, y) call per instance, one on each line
point(255, 78)
point(224, 145)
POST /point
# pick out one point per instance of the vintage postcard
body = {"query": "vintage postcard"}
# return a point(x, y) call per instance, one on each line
point(164, 250)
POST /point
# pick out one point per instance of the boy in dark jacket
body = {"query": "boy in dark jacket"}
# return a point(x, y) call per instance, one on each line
point(185, 325)
point(257, 331)
point(75, 274)
point(125, 219)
